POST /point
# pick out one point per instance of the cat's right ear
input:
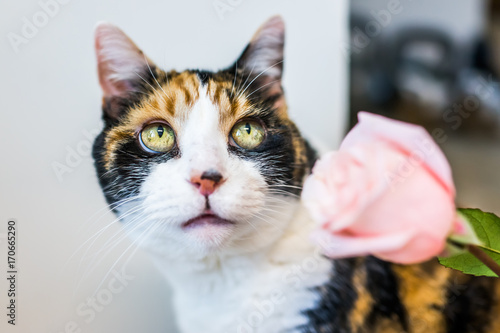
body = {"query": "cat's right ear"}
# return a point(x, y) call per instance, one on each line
point(121, 65)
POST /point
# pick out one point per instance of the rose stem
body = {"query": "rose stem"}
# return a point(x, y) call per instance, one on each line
point(484, 258)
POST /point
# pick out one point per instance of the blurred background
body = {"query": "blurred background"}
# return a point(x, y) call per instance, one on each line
point(433, 63)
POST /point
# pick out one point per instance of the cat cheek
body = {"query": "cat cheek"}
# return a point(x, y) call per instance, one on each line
point(240, 197)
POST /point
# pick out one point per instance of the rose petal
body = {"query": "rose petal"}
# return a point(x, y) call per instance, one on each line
point(418, 202)
point(343, 246)
point(413, 139)
point(420, 248)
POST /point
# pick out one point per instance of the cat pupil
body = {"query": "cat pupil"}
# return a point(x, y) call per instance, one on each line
point(160, 131)
point(248, 128)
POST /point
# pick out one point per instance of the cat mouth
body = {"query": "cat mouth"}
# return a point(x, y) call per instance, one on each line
point(206, 220)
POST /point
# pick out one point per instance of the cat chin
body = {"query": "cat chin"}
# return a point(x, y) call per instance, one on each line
point(206, 220)
point(209, 230)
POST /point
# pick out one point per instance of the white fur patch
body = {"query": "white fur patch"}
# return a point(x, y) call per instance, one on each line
point(265, 291)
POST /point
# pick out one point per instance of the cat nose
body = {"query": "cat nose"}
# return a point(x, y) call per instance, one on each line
point(207, 182)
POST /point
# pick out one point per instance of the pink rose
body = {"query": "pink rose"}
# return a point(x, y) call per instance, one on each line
point(388, 191)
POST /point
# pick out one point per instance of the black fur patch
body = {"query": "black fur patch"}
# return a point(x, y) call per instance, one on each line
point(337, 300)
point(204, 76)
point(468, 306)
point(383, 286)
point(338, 297)
point(275, 156)
point(131, 166)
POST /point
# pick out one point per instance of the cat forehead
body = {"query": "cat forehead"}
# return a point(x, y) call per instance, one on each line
point(176, 97)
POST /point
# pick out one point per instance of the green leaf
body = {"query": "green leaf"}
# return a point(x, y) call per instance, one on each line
point(487, 229)
point(464, 234)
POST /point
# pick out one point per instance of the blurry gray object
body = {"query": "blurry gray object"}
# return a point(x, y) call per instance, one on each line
point(418, 61)
point(483, 89)
point(425, 64)
point(418, 53)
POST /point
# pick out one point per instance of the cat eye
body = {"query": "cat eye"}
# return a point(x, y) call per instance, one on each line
point(157, 138)
point(248, 134)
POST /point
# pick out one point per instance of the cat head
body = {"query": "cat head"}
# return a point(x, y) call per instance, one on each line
point(199, 162)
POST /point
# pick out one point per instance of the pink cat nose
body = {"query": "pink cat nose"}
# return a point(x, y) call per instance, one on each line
point(207, 182)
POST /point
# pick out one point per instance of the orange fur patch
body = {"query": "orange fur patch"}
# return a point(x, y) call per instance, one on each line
point(423, 292)
point(172, 103)
point(364, 302)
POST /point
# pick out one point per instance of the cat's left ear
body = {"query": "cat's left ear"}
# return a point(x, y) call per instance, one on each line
point(262, 60)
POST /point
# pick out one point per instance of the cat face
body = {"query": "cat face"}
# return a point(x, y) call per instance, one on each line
point(197, 162)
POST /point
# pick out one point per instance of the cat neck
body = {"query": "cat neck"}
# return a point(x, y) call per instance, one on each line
point(282, 275)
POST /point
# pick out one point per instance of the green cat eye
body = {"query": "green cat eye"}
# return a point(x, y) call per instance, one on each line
point(157, 138)
point(248, 134)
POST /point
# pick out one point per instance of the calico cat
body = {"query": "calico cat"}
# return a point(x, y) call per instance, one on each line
point(205, 169)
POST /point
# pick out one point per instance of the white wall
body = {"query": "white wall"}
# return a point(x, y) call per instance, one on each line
point(49, 98)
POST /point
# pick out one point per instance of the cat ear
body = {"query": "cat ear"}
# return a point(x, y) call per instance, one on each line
point(263, 58)
point(264, 53)
point(120, 62)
